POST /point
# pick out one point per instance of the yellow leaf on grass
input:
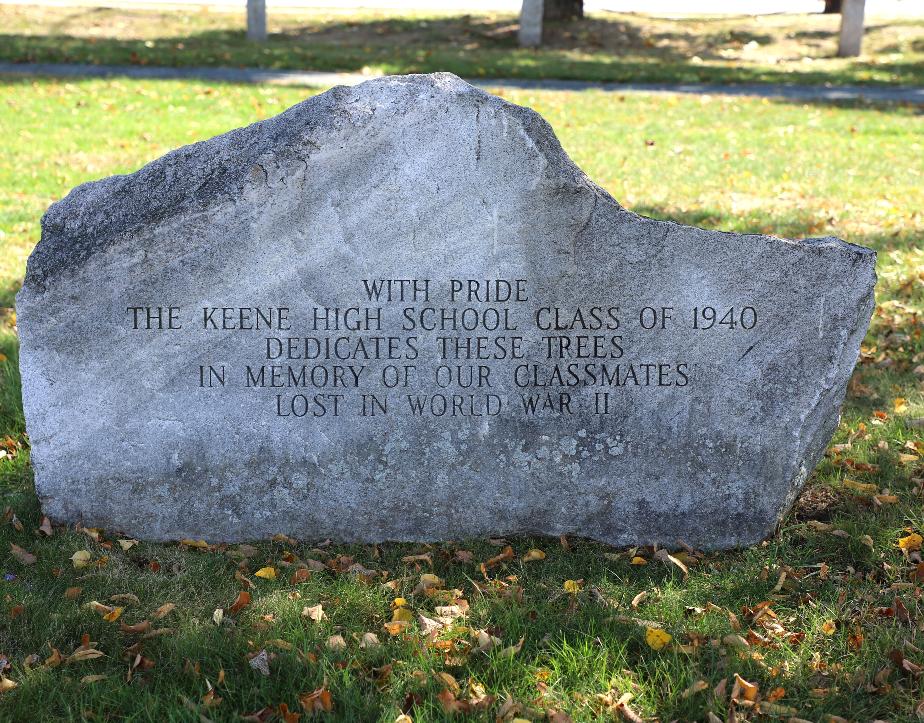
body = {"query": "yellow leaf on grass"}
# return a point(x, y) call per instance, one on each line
point(201, 544)
point(92, 679)
point(907, 458)
point(572, 586)
point(911, 542)
point(534, 556)
point(399, 602)
point(81, 559)
point(828, 627)
point(429, 580)
point(267, 573)
point(657, 638)
point(639, 560)
point(900, 404)
point(112, 616)
point(743, 690)
point(6, 684)
point(402, 615)
point(861, 487)
point(127, 544)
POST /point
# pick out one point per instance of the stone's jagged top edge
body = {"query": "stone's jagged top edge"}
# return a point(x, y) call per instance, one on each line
point(94, 214)
point(831, 242)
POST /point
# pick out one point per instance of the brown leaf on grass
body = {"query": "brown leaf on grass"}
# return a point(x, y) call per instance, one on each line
point(463, 556)
point(23, 556)
point(127, 544)
point(301, 574)
point(735, 641)
point(336, 642)
point(314, 565)
point(319, 701)
point(698, 686)
point(156, 633)
point(45, 527)
point(6, 684)
point(240, 602)
point(512, 650)
point(125, 597)
point(72, 593)
point(164, 610)
point(506, 554)
point(668, 559)
point(639, 599)
point(136, 629)
point(55, 659)
point(87, 679)
point(625, 712)
point(426, 557)
point(82, 654)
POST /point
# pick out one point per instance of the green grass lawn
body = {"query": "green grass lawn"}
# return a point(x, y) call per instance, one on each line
point(825, 619)
point(603, 47)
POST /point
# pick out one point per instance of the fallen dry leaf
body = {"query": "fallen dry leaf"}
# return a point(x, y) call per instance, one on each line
point(81, 559)
point(318, 701)
point(657, 638)
point(240, 602)
point(743, 690)
point(336, 642)
point(369, 640)
point(22, 555)
point(82, 654)
point(267, 573)
point(314, 612)
point(164, 610)
point(260, 663)
point(534, 555)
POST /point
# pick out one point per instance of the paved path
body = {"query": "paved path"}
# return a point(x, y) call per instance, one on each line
point(322, 80)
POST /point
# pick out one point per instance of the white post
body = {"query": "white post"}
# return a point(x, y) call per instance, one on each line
point(256, 20)
point(851, 36)
point(530, 34)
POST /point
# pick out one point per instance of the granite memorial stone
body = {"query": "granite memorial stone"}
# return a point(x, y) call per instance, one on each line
point(400, 312)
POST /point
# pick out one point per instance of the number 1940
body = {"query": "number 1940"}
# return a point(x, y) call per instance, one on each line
point(706, 317)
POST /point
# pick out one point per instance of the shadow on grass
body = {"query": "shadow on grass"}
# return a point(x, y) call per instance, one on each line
point(597, 49)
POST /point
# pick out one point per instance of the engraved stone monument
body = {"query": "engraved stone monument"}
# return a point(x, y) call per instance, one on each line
point(400, 312)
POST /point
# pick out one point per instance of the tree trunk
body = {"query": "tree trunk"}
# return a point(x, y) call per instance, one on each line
point(256, 20)
point(851, 35)
point(530, 34)
point(832, 6)
point(563, 10)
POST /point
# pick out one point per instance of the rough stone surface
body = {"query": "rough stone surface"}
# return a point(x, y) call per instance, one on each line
point(706, 435)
